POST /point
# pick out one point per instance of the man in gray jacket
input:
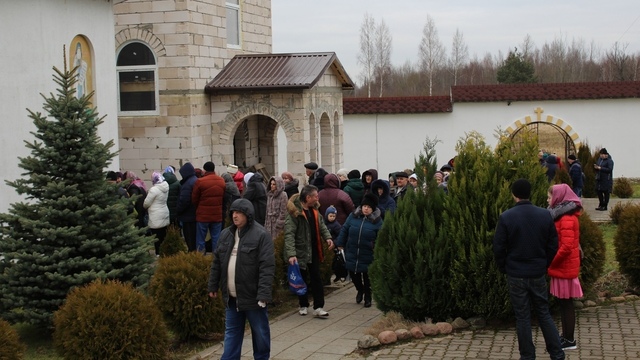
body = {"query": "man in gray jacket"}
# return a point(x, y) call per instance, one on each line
point(243, 269)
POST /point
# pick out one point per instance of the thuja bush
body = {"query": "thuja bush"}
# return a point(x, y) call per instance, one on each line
point(109, 320)
point(173, 243)
point(179, 288)
point(616, 211)
point(10, 346)
point(410, 273)
point(279, 287)
point(479, 191)
point(562, 177)
point(622, 188)
point(627, 244)
point(587, 160)
point(593, 250)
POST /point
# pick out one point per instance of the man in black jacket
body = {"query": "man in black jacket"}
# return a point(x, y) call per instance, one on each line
point(243, 269)
point(525, 243)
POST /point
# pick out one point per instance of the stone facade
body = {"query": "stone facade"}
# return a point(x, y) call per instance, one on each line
point(245, 127)
point(188, 39)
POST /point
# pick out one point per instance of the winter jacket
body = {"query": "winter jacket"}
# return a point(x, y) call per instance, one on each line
point(276, 208)
point(291, 188)
point(255, 262)
point(575, 172)
point(137, 195)
point(256, 192)
point(552, 167)
point(358, 238)
point(525, 241)
point(332, 195)
point(297, 233)
point(231, 194)
point(355, 190)
point(566, 263)
point(185, 208)
point(318, 178)
point(208, 195)
point(604, 176)
point(174, 194)
point(385, 202)
point(238, 177)
point(374, 177)
point(156, 205)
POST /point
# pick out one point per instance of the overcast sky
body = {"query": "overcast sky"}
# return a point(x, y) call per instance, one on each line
point(487, 26)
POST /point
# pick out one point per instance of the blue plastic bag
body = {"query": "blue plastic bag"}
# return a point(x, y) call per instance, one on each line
point(296, 282)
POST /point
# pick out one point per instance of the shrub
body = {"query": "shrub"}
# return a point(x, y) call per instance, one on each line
point(562, 177)
point(617, 211)
point(10, 346)
point(109, 320)
point(626, 241)
point(173, 243)
point(594, 251)
point(179, 288)
point(622, 188)
point(279, 288)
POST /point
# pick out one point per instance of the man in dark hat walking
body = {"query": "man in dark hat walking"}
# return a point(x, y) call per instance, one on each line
point(525, 243)
point(310, 170)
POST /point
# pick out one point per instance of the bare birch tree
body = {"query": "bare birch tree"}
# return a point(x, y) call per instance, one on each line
point(459, 55)
point(366, 57)
point(382, 55)
point(431, 52)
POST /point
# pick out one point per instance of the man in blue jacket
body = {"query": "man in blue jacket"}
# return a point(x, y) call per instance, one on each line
point(525, 243)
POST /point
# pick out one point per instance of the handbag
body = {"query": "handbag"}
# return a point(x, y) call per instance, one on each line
point(296, 282)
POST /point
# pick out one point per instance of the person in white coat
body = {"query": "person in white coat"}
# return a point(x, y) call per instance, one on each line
point(156, 205)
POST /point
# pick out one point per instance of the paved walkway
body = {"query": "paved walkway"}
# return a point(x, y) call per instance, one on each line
point(607, 332)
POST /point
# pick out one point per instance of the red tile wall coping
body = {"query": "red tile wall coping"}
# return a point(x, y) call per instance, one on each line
point(493, 93)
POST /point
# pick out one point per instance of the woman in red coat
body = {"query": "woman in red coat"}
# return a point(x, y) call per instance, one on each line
point(565, 208)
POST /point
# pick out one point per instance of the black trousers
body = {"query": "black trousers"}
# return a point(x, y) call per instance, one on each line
point(361, 282)
point(189, 233)
point(160, 234)
point(312, 278)
point(603, 198)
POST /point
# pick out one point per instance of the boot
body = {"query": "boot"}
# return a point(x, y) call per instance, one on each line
point(367, 299)
point(359, 297)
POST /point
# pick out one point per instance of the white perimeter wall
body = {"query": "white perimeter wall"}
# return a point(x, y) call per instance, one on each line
point(32, 33)
point(391, 142)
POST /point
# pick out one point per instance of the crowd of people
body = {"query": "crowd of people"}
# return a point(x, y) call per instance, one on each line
point(346, 211)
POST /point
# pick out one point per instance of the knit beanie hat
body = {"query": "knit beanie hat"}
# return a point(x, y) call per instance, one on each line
point(521, 189)
point(371, 200)
point(330, 210)
point(353, 174)
point(572, 157)
point(287, 176)
point(248, 177)
point(156, 178)
point(439, 175)
point(343, 173)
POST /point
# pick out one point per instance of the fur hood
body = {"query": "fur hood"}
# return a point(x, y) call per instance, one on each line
point(279, 186)
point(294, 206)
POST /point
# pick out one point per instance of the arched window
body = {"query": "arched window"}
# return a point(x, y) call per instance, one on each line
point(137, 80)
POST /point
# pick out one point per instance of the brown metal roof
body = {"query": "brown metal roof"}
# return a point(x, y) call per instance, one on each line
point(397, 105)
point(277, 71)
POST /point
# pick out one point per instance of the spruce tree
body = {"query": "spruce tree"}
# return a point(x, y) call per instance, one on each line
point(73, 227)
point(479, 191)
point(410, 272)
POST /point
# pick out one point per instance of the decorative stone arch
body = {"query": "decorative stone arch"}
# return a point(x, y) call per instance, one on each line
point(248, 134)
point(143, 35)
point(571, 138)
point(326, 143)
point(234, 118)
point(314, 149)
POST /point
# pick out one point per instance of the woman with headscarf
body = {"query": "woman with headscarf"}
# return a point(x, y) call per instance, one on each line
point(138, 191)
point(276, 207)
point(156, 205)
point(565, 207)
